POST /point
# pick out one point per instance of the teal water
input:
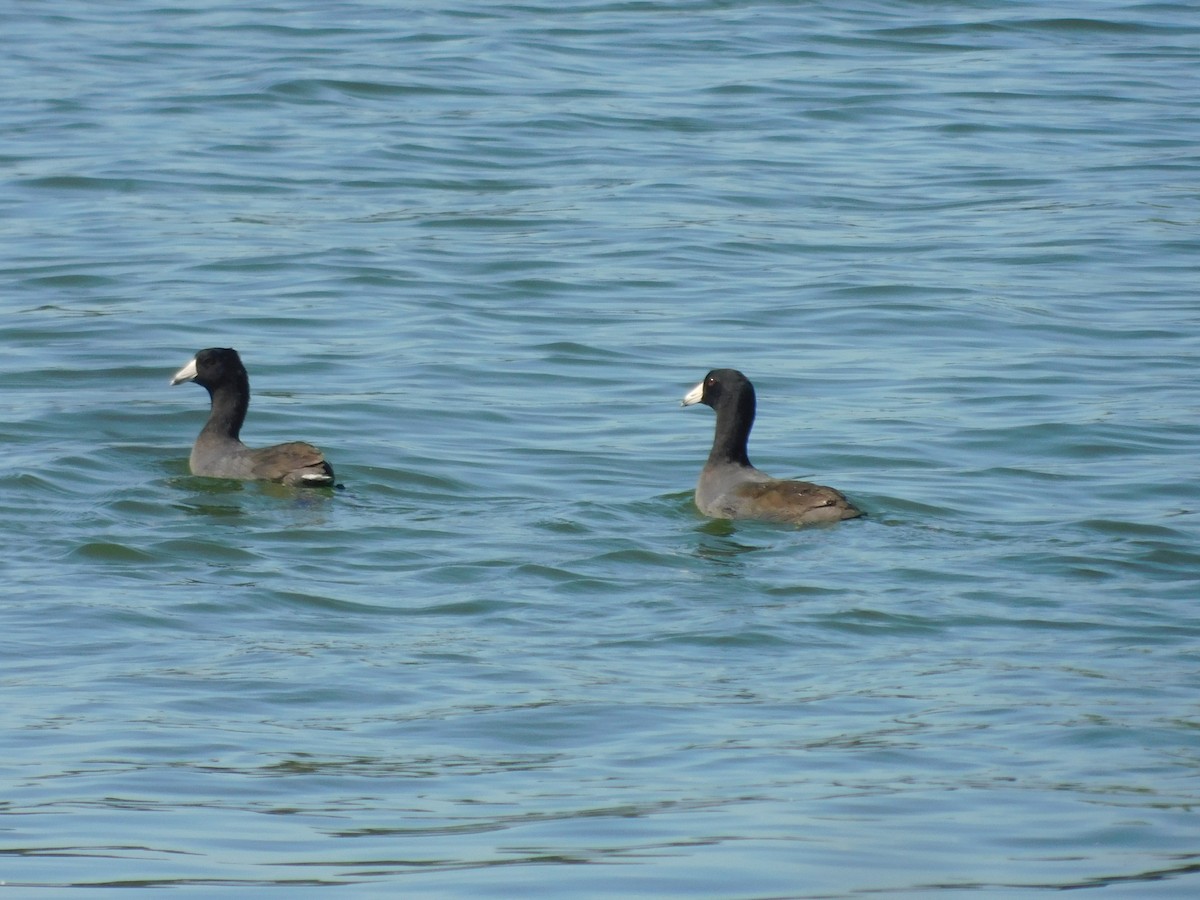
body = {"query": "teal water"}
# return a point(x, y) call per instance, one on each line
point(478, 253)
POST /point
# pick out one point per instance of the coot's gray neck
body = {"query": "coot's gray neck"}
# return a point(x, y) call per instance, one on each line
point(735, 418)
point(230, 400)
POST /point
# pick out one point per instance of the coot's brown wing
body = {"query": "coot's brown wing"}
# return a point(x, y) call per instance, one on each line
point(792, 501)
point(295, 463)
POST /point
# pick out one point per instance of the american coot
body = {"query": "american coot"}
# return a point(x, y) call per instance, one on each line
point(730, 487)
point(219, 453)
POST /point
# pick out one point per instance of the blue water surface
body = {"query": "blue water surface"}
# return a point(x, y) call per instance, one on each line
point(477, 252)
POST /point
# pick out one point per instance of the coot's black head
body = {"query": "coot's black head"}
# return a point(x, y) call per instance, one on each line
point(722, 386)
point(212, 368)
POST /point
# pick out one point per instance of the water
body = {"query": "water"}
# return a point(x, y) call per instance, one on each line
point(477, 253)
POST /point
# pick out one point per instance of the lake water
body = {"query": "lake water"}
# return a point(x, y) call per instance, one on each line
point(478, 252)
